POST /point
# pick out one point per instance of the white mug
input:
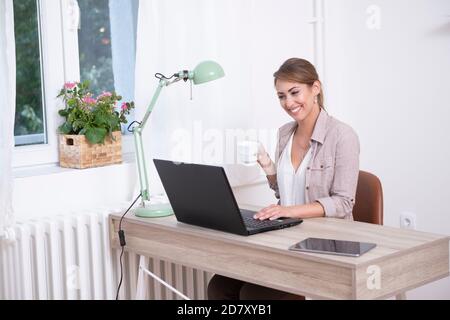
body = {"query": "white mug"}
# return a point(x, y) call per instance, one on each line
point(247, 152)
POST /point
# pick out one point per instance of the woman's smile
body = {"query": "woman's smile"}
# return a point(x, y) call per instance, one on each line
point(295, 110)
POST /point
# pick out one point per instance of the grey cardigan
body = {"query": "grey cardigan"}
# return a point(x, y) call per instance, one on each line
point(332, 173)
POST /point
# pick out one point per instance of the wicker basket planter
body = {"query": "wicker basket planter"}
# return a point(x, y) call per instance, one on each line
point(76, 152)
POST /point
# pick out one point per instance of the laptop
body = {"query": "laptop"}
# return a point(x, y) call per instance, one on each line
point(201, 195)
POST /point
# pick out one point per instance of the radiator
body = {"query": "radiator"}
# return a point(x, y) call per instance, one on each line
point(69, 258)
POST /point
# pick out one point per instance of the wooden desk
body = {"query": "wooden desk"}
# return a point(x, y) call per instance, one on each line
point(405, 259)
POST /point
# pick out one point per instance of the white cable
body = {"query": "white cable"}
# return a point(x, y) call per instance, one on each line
point(164, 283)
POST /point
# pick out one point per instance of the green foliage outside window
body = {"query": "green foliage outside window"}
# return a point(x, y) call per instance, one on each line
point(94, 41)
point(29, 113)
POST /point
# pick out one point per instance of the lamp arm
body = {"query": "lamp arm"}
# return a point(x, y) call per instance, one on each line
point(139, 147)
point(162, 83)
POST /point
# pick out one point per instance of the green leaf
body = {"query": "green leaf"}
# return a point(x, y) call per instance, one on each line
point(78, 124)
point(65, 128)
point(85, 84)
point(63, 112)
point(96, 135)
point(113, 122)
point(72, 102)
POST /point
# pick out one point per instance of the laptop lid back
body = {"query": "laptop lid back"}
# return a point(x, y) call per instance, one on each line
point(201, 195)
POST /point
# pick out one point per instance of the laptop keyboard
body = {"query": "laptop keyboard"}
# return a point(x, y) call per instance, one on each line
point(250, 222)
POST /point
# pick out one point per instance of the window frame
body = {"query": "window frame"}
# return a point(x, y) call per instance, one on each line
point(36, 138)
point(52, 60)
point(59, 63)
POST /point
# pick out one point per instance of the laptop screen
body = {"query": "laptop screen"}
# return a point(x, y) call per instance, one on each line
point(200, 195)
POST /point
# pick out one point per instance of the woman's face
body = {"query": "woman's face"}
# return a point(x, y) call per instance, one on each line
point(297, 99)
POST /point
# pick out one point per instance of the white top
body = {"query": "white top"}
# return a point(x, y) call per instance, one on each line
point(291, 184)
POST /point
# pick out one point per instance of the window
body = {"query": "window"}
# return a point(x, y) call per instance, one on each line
point(29, 125)
point(94, 41)
point(53, 48)
point(106, 41)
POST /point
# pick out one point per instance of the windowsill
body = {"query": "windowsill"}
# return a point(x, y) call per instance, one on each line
point(41, 159)
point(54, 168)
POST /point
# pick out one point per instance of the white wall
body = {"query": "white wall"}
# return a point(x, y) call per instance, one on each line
point(390, 81)
point(391, 84)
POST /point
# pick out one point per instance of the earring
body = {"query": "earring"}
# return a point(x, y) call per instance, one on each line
point(315, 99)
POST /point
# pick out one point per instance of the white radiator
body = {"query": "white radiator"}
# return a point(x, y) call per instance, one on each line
point(69, 257)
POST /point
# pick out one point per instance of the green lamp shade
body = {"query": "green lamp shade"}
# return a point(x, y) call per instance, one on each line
point(207, 71)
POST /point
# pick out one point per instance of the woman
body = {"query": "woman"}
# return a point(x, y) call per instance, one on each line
point(315, 171)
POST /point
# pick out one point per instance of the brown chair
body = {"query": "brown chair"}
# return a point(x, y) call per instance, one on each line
point(369, 199)
point(369, 204)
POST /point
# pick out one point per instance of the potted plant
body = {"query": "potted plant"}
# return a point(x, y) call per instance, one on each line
point(90, 135)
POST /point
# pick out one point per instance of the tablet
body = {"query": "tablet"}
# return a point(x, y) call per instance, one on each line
point(330, 246)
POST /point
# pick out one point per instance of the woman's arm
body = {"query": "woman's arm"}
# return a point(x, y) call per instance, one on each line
point(341, 197)
point(269, 169)
point(274, 211)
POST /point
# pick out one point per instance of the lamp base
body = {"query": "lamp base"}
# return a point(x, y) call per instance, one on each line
point(154, 211)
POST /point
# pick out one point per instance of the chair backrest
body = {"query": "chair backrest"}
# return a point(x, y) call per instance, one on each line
point(369, 199)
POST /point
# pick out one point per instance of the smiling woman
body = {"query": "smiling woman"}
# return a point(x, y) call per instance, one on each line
point(315, 172)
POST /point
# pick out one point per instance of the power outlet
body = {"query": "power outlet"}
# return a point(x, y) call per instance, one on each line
point(408, 220)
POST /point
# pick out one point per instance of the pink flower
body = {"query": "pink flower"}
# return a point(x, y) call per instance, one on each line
point(89, 100)
point(70, 85)
point(104, 94)
point(124, 106)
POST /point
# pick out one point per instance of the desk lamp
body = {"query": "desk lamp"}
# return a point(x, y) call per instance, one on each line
point(204, 72)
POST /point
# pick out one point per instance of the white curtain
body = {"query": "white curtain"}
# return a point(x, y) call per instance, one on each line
point(249, 39)
point(7, 107)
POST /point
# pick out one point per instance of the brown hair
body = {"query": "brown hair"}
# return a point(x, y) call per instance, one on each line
point(301, 71)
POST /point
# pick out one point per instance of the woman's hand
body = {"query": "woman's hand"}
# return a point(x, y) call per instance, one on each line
point(275, 211)
point(264, 161)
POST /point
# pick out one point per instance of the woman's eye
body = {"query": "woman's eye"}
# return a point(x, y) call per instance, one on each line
point(280, 97)
point(294, 93)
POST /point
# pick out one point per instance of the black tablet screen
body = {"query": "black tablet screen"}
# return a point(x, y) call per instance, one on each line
point(339, 247)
